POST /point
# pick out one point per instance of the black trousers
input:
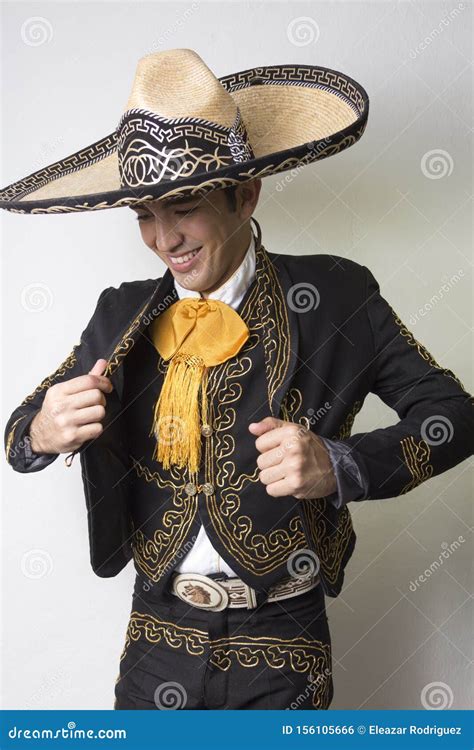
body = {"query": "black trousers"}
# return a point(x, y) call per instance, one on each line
point(176, 656)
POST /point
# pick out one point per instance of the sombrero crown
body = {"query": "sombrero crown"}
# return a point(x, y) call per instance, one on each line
point(185, 132)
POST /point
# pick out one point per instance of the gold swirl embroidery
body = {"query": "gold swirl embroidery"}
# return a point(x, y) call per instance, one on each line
point(154, 556)
point(276, 652)
point(155, 630)
point(416, 457)
point(125, 344)
point(274, 316)
point(299, 653)
point(11, 436)
point(262, 312)
point(346, 427)
point(291, 404)
point(422, 350)
point(68, 364)
point(330, 542)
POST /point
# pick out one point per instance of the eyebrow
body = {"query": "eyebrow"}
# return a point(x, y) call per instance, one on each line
point(171, 202)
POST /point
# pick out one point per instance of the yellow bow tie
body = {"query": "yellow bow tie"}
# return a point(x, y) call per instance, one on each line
point(194, 334)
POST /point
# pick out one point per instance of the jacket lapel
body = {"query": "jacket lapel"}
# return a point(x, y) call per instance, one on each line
point(164, 294)
point(280, 324)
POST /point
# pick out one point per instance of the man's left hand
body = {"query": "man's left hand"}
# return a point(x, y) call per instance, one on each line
point(293, 460)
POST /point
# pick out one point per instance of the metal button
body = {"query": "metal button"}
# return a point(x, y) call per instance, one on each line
point(206, 430)
point(208, 488)
point(190, 489)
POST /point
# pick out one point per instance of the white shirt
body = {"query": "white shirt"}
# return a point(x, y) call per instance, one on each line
point(202, 557)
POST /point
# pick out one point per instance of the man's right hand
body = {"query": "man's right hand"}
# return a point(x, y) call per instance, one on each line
point(71, 413)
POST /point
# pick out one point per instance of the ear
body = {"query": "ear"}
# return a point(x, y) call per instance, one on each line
point(247, 197)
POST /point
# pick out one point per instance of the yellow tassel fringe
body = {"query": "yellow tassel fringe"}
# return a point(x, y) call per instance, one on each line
point(179, 412)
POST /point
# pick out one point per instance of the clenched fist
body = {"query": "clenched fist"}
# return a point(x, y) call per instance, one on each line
point(294, 461)
point(71, 412)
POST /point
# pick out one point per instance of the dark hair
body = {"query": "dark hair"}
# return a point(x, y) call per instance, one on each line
point(230, 197)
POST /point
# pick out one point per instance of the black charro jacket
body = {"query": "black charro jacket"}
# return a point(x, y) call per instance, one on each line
point(326, 338)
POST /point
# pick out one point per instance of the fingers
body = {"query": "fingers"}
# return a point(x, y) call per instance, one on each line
point(270, 458)
point(273, 474)
point(269, 423)
point(93, 379)
point(83, 399)
point(88, 432)
point(90, 415)
point(271, 439)
point(99, 367)
point(271, 431)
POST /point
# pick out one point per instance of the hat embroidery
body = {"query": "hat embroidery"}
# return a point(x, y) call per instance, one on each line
point(152, 149)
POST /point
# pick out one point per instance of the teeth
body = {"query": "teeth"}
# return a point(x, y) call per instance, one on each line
point(184, 258)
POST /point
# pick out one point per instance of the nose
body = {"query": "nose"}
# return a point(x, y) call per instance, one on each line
point(168, 238)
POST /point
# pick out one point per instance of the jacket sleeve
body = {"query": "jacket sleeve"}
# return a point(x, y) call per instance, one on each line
point(352, 482)
point(436, 427)
point(18, 450)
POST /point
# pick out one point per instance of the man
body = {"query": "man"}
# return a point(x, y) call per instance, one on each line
point(212, 410)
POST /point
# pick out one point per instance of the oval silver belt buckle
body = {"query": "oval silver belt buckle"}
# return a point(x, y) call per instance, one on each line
point(201, 591)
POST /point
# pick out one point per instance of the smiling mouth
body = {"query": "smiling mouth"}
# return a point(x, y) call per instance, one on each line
point(182, 260)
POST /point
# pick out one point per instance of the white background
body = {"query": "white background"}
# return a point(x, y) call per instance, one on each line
point(63, 631)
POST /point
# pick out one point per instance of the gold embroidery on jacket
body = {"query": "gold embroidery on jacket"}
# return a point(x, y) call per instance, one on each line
point(68, 364)
point(274, 321)
point(125, 344)
point(299, 653)
point(264, 311)
point(346, 427)
point(416, 457)
point(329, 542)
point(153, 556)
point(422, 350)
point(11, 436)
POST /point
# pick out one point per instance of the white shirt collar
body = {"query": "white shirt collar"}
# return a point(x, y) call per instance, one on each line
point(233, 290)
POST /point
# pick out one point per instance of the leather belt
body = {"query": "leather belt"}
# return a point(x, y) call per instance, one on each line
point(214, 595)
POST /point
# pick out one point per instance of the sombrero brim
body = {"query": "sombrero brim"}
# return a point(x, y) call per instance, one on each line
point(294, 115)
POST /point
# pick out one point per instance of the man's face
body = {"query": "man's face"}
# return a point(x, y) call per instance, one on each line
point(207, 225)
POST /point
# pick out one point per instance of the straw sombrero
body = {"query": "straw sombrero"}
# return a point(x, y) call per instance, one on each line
point(185, 132)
